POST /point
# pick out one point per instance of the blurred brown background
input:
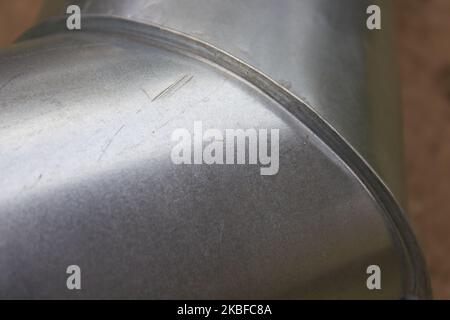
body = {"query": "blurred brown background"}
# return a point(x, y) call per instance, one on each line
point(423, 44)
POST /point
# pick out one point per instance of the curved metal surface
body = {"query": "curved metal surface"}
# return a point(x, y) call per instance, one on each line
point(320, 50)
point(87, 179)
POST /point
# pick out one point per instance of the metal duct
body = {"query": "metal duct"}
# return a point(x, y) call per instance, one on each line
point(85, 143)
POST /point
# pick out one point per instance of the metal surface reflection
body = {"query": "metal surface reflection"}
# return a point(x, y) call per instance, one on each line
point(85, 166)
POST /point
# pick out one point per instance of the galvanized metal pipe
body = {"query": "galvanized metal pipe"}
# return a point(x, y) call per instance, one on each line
point(85, 168)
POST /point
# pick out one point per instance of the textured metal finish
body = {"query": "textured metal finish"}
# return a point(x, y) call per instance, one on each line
point(320, 50)
point(86, 177)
